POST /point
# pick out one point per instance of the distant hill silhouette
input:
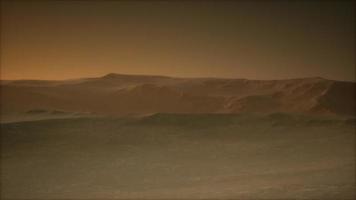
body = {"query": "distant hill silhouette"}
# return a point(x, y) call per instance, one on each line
point(120, 94)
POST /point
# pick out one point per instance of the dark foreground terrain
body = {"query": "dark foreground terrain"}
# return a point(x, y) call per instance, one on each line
point(179, 156)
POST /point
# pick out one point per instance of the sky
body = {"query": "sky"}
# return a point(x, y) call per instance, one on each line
point(230, 39)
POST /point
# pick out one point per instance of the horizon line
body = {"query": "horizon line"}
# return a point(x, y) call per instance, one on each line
point(168, 76)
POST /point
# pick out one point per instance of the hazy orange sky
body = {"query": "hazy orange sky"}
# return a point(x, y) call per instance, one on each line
point(240, 39)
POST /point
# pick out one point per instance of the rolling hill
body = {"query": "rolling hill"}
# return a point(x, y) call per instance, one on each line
point(118, 94)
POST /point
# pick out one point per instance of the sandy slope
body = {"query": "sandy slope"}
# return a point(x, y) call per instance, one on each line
point(135, 94)
point(180, 156)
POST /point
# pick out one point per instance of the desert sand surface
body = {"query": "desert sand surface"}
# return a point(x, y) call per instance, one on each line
point(180, 156)
point(155, 137)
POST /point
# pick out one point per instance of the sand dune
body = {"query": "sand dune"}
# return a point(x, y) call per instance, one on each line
point(138, 94)
point(155, 137)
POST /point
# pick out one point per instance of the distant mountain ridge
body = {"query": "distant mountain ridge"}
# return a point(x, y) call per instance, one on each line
point(119, 94)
